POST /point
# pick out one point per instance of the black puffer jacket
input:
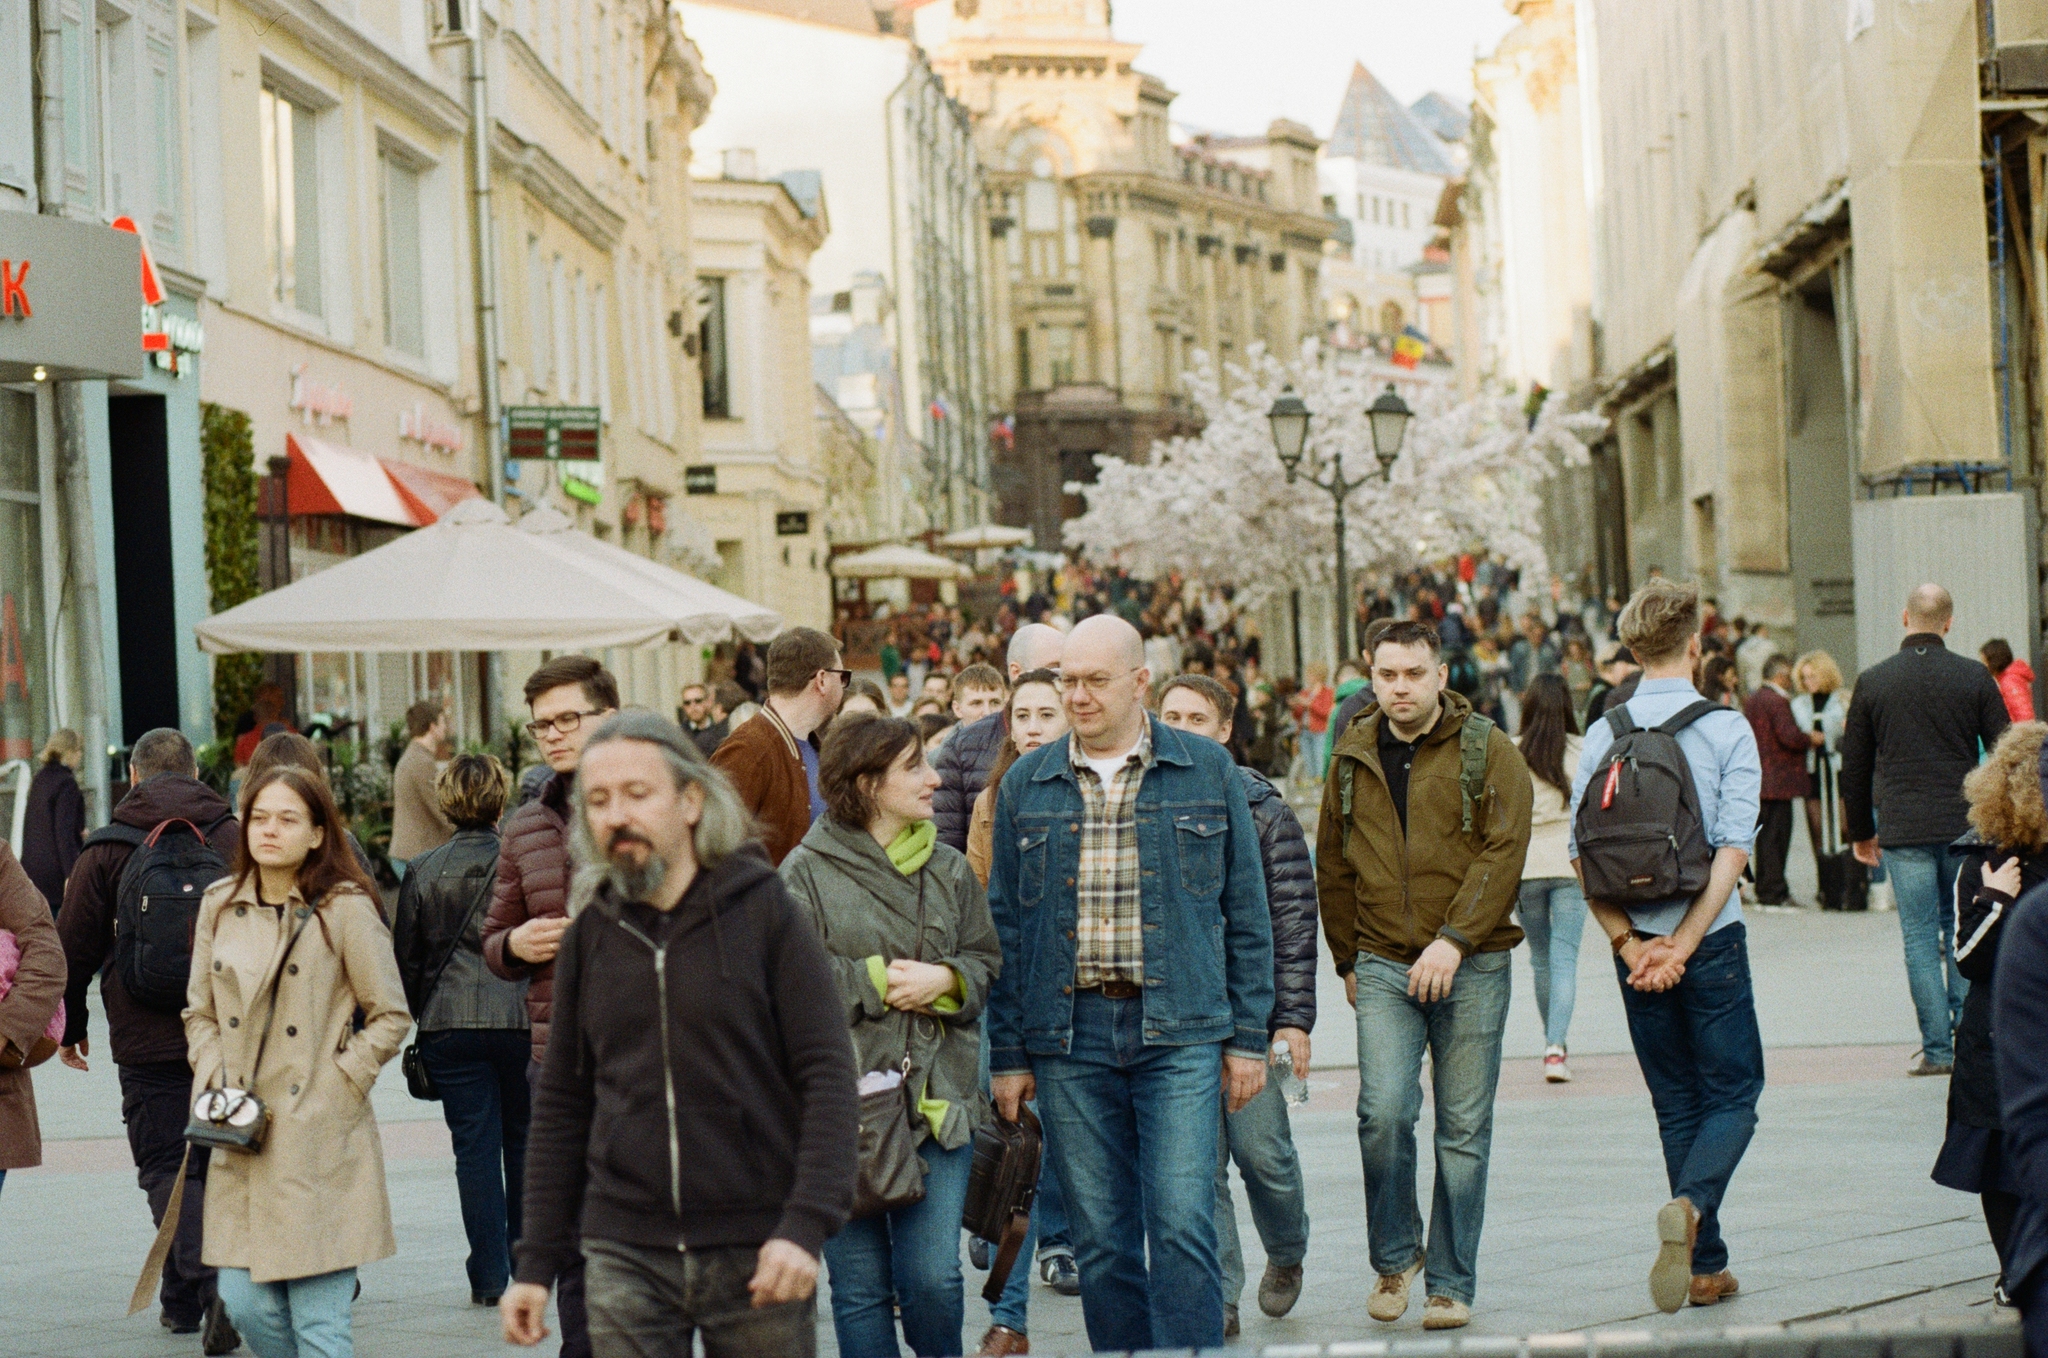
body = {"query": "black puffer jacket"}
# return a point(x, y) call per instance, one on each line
point(1981, 914)
point(1291, 896)
point(963, 764)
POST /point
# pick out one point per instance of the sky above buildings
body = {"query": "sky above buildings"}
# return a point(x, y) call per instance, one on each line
point(1239, 64)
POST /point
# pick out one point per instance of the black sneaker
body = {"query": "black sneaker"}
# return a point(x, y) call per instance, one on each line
point(219, 1334)
point(978, 1252)
point(1057, 1271)
point(2000, 1297)
point(484, 1298)
point(177, 1325)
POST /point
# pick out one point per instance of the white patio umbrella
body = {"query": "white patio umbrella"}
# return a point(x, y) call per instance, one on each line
point(897, 561)
point(987, 535)
point(474, 582)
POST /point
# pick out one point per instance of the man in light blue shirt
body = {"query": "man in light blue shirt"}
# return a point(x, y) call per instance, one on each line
point(1684, 964)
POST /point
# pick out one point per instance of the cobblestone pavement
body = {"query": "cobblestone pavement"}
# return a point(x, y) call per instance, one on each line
point(1831, 1215)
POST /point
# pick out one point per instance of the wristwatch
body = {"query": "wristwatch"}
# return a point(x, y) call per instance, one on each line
point(1622, 940)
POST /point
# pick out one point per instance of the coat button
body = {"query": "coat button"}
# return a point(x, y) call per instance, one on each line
point(295, 1089)
point(234, 1023)
point(290, 1031)
point(216, 966)
point(1070, 933)
point(241, 910)
point(1066, 990)
point(1073, 828)
point(1070, 881)
point(293, 969)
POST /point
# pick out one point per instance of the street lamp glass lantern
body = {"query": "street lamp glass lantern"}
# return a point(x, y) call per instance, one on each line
point(1389, 415)
point(1289, 419)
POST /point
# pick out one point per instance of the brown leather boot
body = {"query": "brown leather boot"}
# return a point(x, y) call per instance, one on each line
point(1709, 1288)
point(1001, 1339)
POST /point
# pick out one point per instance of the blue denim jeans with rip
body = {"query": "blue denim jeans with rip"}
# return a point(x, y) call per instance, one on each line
point(1259, 1138)
point(1462, 1034)
point(1131, 1134)
point(1701, 1056)
point(1923, 881)
point(908, 1259)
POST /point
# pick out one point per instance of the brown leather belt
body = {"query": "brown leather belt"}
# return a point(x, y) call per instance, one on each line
point(1116, 990)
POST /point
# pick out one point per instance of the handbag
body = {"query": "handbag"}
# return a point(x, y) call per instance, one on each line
point(419, 1081)
point(1000, 1189)
point(891, 1171)
point(227, 1118)
point(45, 1044)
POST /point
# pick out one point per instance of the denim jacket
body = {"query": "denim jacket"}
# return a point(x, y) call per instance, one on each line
point(1208, 933)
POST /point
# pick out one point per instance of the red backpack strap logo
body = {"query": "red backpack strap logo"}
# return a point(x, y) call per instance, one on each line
point(1613, 782)
point(157, 833)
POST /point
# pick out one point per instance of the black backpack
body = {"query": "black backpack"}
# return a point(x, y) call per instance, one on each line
point(1639, 833)
point(156, 907)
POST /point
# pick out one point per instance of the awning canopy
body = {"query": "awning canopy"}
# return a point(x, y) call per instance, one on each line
point(987, 535)
point(474, 582)
point(897, 561)
point(332, 478)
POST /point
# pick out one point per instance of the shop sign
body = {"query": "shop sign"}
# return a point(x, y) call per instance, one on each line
point(701, 480)
point(568, 433)
point(58, 317)
point(317, 402)
point(793, 523)
point(164, 337)
point(417, 426)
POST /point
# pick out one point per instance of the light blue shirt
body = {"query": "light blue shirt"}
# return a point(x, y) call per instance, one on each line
point(1726, 773)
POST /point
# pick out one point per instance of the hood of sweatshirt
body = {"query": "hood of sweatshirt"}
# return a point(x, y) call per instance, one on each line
point(169, 796)
point(855, 855)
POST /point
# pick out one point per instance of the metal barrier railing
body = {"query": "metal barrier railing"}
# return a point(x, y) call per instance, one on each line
point(1993, 1338)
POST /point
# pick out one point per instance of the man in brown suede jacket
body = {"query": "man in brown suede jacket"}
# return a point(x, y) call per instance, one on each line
point(772, 759)
point(1425, 824)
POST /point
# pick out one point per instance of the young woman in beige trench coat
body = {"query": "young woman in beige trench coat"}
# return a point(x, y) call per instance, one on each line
point(288, 1224)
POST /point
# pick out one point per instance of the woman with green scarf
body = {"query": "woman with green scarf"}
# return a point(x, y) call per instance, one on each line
point(913, 950)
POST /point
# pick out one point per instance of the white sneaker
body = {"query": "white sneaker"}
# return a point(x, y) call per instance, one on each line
point(1554, 1068)
point(1882, 900)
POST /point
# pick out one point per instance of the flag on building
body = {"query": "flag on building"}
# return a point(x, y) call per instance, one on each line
point(1409, 346)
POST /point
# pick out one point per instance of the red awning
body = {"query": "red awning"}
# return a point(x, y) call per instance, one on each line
point(332, 478)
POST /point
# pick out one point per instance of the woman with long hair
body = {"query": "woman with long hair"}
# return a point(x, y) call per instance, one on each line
point(914, 949)
point(1819, 695)
point(53, 830)
point(1721, 681)
point(1551, 906)
point(285, 953)
point(1036, 716)
point(2005, 853)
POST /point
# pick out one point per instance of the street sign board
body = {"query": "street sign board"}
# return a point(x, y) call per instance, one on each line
point(566, 433)
point(793, 523)
point(701, 480)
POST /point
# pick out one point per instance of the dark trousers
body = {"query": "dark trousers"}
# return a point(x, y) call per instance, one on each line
point(156, 1103)
point(1701, 1056)
point(481, 1073)
point(569, 1304)
point(648, 1302)
point(1773, 842)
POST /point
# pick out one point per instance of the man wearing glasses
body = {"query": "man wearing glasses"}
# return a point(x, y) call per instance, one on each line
point(570, 697)
point(772, 759)
point(1123, 855)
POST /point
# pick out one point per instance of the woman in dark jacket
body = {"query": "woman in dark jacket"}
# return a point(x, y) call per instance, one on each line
point(53, 830)
point(2005, 853)
point(473, 1027)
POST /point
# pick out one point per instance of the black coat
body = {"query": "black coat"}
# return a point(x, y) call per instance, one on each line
point(708, 739)
point(434, 914)
point(1981, 914)
point(963, 764)
point(1916, 726)
point(53, 830)
point(1291, 897)
point(2019, 1011)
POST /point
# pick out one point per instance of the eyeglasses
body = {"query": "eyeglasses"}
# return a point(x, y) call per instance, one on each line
point(1094, 683)
point(562, 725)
point(845, 676)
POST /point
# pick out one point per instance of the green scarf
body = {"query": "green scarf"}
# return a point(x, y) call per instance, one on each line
point(912, 848)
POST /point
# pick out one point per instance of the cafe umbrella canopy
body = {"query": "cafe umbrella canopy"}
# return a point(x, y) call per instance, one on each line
point(474, 581)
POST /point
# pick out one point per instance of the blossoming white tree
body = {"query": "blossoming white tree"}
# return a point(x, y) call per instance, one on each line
point(1219, 508)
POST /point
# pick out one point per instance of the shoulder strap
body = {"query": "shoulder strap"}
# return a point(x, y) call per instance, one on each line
point(1618, 720)
point(1346, 771)
point(1472, 741)
point(270, 1009)
point(1678, 721)
point(483, 894)
point(116, 833)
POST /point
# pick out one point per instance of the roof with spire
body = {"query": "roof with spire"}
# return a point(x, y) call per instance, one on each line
point(1373, 127)
point(1443, 115)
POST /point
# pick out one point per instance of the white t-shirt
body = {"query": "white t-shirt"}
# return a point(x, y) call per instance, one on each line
point(1105, 769)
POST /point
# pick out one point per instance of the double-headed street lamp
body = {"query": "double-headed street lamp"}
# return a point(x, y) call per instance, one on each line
point(1289, 417)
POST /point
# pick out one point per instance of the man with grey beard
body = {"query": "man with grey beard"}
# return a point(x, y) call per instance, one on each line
point(685, 968)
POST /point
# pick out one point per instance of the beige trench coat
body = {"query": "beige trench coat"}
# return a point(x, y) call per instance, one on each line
point(25, 1013)
point(312, 1199)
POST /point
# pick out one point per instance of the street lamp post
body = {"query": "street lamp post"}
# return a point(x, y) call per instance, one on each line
point(1289, 419)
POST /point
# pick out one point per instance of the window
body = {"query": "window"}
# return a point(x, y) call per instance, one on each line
point(586, 376)
point(711, 349)
point(165, 123)
point(291, 202)
point(24, 704)
point(560, 375)
point(1023, 358)
point(1059, 355)
point(77, 114)
point(113, 62)
point(1404, 215)
point(404, 327)
point(539, 318)
point(1375, 210)
point(601, 333)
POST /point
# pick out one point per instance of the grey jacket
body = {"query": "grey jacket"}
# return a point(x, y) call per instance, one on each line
point(864, 908)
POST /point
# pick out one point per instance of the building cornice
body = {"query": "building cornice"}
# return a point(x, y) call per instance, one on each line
point(556, 187)
point(358, 55)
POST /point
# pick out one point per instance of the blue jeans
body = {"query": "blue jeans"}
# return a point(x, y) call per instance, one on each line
point(1132, 1139)
point(1924, 880)
point(1462, 1034)
point(1259, 1138)
point(297, 1318)
point(1703, 1060)
point(907, 1259)
point(481, 1073)
point(1553, 914)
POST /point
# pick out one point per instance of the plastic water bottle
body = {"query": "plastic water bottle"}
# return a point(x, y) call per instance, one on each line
point(1293, 1085)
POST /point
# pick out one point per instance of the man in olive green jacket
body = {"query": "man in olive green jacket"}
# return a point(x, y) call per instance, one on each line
point(1425, 823)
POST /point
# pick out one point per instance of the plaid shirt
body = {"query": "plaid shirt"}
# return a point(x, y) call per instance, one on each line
point(1109, 930)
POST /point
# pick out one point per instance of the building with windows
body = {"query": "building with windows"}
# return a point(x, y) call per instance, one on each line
point(1116, 253)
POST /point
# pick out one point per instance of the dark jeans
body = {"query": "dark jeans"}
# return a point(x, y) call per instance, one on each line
point(1773, 842)
point(907, 1263)
point(1703, 1060)
point(156, 1103)
point(1133, 1131)
point(647, 1302)
point(569, 1305)
point(481, 1073)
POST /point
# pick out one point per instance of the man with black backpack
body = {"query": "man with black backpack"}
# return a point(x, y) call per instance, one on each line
point(1664, 811)
point(172, 836)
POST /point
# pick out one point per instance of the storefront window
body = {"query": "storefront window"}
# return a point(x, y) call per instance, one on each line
point(24, 671)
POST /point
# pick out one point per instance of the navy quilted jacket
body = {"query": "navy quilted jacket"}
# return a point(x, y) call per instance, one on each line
point(1291, 896)
point(963, 764)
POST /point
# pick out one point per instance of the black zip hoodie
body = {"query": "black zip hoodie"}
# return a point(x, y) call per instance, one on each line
point(699, 1088)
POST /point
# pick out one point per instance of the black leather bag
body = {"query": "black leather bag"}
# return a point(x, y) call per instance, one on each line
point(891, 1171)
point(1000, 1189)
point(225, 1118)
